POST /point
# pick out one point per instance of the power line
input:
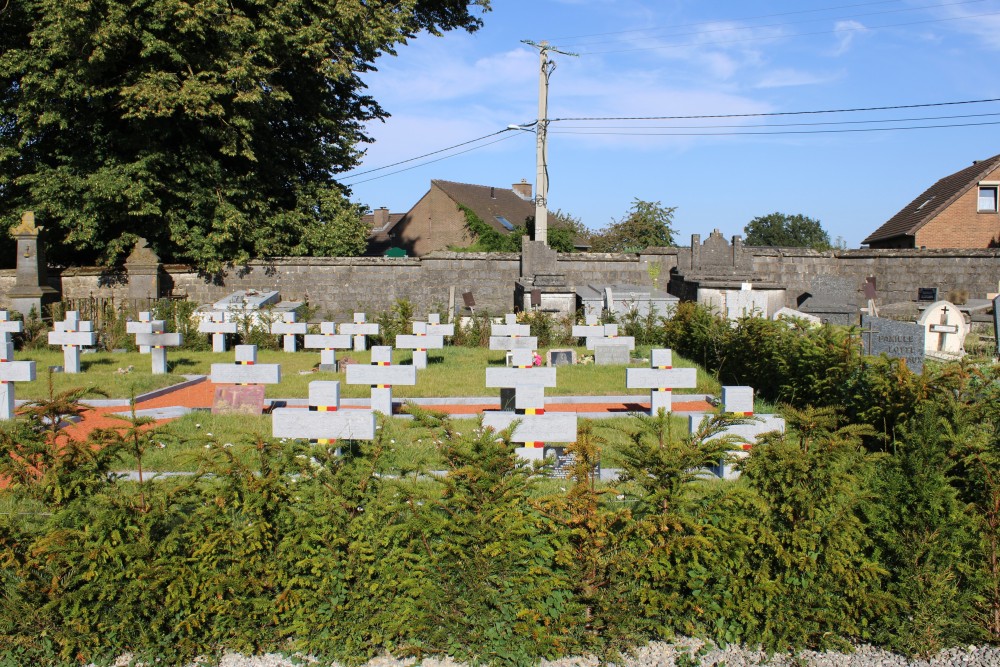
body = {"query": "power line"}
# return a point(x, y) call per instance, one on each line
point(780, 25)
point(778, 113)
point(422, 164)
point(829, 122)
point(420, 157)
point(730, 134)
point(800, 34)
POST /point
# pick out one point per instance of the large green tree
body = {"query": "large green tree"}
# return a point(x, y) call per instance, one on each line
point(647, 224)
point(214, 128)
point(787, 231)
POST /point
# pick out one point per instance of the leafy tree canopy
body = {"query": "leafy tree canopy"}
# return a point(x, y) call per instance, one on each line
point(646, 225)
point(787, 231)
point(215, 128)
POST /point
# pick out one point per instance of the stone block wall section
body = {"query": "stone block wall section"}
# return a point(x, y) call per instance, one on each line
point(341, 286)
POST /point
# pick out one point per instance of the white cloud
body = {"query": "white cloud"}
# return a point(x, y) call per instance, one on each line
point(846, 32)
point(788, 77)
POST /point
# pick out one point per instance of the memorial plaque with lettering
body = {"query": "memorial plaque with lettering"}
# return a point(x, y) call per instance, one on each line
point(927, 294)
point(902, 340)
point(239, 400)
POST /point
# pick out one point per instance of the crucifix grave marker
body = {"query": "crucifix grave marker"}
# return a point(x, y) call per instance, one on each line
point(72, 334)
point(324, 422)
point(328, 341)
point(217, 325)
point(360, 329)
point(288, 329)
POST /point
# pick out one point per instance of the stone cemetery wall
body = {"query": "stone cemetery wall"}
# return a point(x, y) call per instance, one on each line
point(341, 286)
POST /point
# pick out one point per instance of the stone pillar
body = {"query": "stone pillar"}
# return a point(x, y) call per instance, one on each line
point(31, 290)
point(143, 267)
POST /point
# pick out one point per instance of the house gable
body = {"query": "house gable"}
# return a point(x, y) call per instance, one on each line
point(945, 215)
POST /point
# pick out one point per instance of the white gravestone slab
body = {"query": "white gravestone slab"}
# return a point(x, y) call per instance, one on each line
point(946, 330)
point(72, 334)
point(534, 430)
point(217, 326)
point(745, 303)
point(748, 433)
point(792, 314)
point(288, 329)
point(513, 343)
point(737, 400)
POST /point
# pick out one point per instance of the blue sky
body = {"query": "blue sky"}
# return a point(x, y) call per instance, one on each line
point(697, 57)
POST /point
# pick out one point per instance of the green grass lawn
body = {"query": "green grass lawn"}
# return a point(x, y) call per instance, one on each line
point(453, 371)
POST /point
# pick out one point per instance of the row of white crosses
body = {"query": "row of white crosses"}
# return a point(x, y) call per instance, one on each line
point(11, 371)
point(151, 336)
point(737, 401)
point(72, 334)
point(522, 393)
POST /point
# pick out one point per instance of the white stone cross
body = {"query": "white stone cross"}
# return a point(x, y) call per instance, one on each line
point(381, 375)
point(360, 329)
point(9, 326)
point(738, 402)
point(660, 378)
point(512, 336)
point(288, 328)
point(419, 342)
point(217, 325)
point(324, 422)
point(246, 370)
point(157, 343)
point(525, 384)
point(144, 325)
point(72, 334)
point(10, 372)
point(328, 341)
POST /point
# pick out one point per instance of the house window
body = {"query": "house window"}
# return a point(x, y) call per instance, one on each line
point(505, 222)
point(987, 202)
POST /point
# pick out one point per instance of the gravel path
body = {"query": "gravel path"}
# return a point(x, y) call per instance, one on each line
point(660, 654)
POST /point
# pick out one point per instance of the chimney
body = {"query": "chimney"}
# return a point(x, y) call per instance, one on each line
point(522, 190)
point(380, 217)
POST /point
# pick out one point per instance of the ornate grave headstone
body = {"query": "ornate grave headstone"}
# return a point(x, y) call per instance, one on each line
point(145, 325)
point(902, 340)
point(31, 289)
point(288, 329)
point(72, 334)
point(324, 422)
point(158, 343)
point(360, 329)
point(945, 329)
point(328, 341)
point(381, 376)
point(660, 378)
point(419, 342)
point(247, 397)
point(217, 325)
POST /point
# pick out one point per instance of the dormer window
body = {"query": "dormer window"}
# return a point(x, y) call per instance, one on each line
point(987, 201)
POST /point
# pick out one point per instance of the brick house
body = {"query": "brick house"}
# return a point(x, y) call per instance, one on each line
point(959, 211)
point(437, 221)
point(380, 223)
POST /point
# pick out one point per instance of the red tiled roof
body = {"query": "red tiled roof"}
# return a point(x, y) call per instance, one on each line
point(933, 200)
point(489, 202)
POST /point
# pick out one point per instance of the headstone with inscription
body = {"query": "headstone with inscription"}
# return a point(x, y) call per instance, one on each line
point(946, 330)
point(902, 340)
point(248, 378)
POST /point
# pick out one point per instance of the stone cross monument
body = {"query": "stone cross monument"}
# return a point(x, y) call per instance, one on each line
point(32, 290)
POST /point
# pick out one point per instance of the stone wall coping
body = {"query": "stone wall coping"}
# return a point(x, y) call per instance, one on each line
point(866, 253)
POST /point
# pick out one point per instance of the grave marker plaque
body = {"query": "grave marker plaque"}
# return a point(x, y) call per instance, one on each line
point(927, 294)
point(902, 340)
point(238, 400)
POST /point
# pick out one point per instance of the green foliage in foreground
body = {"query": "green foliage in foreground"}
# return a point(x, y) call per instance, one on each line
point(345, 557)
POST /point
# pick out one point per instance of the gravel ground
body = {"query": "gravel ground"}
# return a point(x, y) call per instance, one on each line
point(660, 654)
